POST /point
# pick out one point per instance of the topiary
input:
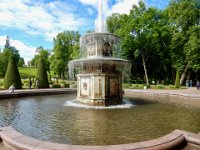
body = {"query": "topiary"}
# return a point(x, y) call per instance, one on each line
point(41, 75)
point(12, 76)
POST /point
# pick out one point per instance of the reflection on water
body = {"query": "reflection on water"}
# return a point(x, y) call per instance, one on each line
point(47, 118)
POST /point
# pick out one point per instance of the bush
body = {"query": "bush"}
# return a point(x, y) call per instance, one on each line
point(172, 86)
point(135, 86)
point(12, 76)
point(41, 75)
point(147, 85)
point(56, 86)
point(160, 86)
point(25, 84)
point(73, 85)
point(1, 84)
point(126, 85)
point(50, 82)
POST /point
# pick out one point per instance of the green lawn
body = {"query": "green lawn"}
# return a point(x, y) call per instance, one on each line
point(27, 72)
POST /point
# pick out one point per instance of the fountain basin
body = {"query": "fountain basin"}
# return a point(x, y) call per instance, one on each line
point(47, 118)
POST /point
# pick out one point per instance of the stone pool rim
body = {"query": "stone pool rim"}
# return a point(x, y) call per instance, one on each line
point(9, 136)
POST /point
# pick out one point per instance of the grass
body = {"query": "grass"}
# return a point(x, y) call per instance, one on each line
point(159, 86)
point(27, 72)
point(1, 84)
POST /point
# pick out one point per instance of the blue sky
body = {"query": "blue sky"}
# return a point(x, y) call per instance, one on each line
point(34, 23)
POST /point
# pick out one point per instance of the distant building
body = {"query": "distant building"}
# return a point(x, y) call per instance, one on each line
point(28, 63)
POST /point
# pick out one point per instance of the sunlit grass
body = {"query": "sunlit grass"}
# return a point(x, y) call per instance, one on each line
point(27, 72)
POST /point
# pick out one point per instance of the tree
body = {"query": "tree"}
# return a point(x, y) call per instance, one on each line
point(160, 42)
point(41, 75)
point(65, 49)
point(177, 81)
point(12, 76)
point(145, 39)
point(183, 16)
point(21, 62)
point(6, 53)
point(3, 65)
point(192, 48)
point(42, 53)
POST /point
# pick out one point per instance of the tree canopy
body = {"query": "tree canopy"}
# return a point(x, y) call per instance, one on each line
point(160, 42)
point(8, 50)
point(66, 48)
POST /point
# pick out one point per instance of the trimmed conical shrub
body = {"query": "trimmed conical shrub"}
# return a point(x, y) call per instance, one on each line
point(41, 76)
point(12, 76)
point(177, 82)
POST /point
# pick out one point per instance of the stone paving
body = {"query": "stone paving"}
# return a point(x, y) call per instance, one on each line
point(189, 91)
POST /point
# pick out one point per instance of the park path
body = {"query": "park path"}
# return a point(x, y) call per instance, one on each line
point(188, 91)
point(192, 91)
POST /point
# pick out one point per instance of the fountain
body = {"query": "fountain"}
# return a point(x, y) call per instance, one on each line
point(149, 115)
point(101, 71)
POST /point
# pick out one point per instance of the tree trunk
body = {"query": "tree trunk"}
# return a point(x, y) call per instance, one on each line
point(145, 70)
point(184, 74)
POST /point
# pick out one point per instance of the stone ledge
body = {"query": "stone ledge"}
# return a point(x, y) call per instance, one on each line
point(18, 141)
point(35, 92)
point(191, 137)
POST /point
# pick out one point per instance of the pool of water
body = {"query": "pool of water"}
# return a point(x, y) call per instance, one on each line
point(49, 118)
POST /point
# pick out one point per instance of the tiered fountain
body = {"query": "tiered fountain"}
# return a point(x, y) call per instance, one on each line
point(100, 69)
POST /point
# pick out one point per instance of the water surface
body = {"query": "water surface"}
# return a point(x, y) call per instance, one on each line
point(48, 118)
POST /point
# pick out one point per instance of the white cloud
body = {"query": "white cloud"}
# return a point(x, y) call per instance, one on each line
point(25, 51)
point(39, 18)
point(123, 6)
point(90, 2)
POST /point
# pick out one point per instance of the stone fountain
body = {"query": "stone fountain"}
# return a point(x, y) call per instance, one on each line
point(100, 70)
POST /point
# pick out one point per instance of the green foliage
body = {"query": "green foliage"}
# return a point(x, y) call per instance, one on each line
point(160, 86)
point(183, 18)
point(41, 75)
point(21, 62)
point(192, 48)
point(25, 83)
point(66, 48)
point(5, 55)
point(3, 65)
point(56, 85)
point(177, 81)
point(42, 53)
point(145, 39)
point(27, 72)
point(12, 76)
point(1, 84)
point(157, 42)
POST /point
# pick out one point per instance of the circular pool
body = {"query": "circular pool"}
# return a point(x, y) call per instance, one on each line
point(50, 118)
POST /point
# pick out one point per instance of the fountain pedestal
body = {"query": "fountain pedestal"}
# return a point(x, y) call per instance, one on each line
point(99, 89)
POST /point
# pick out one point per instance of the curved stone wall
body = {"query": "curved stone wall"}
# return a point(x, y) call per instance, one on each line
point(18, 141)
